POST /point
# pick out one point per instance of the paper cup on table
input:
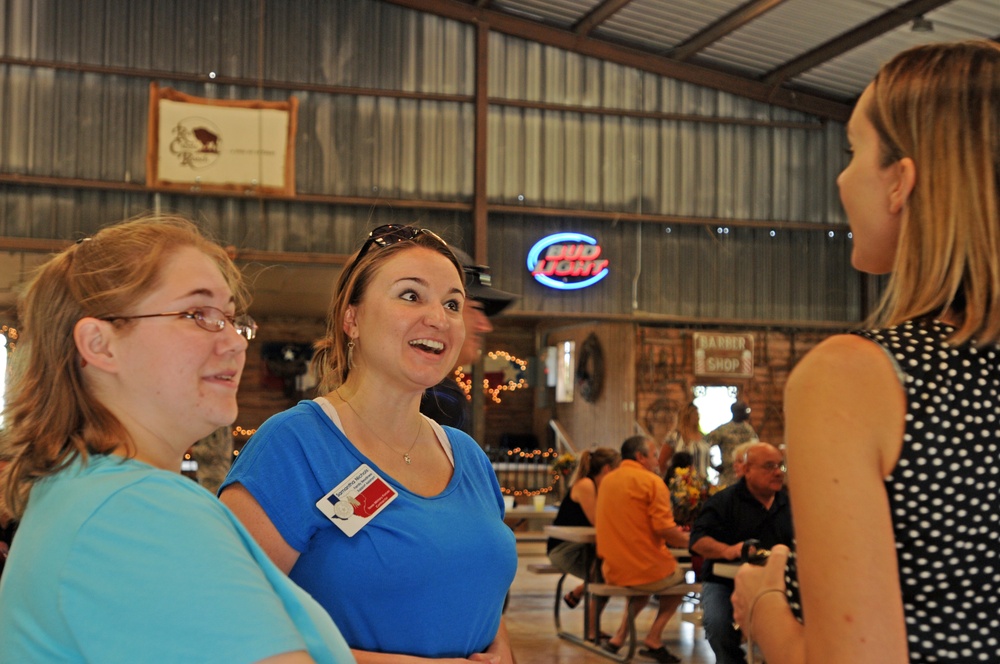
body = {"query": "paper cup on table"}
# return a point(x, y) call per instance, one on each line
point(539, 502)
point(508, 502)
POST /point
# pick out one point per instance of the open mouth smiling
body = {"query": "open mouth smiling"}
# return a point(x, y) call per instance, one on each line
point(428, 345)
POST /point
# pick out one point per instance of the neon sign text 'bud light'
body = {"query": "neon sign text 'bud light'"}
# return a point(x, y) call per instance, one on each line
point(567, 261)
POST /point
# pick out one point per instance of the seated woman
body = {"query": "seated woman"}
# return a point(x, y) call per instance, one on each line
point(131, 351)
point(579, 508)
point(392, 522)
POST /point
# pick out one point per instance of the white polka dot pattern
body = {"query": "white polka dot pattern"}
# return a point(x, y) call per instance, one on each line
point(943, 494)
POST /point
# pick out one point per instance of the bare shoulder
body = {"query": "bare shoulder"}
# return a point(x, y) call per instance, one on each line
point(846, 352)
point(583, 487)
point(841, 361)
point(845, 392)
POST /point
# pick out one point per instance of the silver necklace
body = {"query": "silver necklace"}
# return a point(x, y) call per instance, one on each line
point(406, 454)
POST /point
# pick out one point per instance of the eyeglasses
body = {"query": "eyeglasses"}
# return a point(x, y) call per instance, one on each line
point(771, 466)
point(207, 318)
point(387, 235)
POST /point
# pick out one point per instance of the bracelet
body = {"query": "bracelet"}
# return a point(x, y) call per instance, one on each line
point(749, 624)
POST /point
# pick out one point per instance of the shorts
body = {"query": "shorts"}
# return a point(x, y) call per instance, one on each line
point(571, 557)
point(656, 587)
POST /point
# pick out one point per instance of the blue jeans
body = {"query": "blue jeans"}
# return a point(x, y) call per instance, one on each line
point(717, 618)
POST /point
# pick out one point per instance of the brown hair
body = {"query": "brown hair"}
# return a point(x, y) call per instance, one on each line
point(330, 359)
point(592, 461)
point(50, 416)
point(939, 105)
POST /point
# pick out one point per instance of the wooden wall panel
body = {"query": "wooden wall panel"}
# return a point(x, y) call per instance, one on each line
point(665, 373)
point(610, 419)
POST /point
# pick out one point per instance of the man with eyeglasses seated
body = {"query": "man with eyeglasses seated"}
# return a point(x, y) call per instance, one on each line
point(755, 508)
point(446, 403)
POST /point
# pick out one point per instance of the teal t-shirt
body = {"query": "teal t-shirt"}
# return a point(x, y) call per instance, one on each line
point(117, 561)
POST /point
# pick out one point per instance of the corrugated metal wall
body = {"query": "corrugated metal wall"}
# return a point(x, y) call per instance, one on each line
point(92, 126)
point(689, 272)
point(737, 170)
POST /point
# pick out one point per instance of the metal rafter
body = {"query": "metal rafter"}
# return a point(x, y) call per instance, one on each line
point(725, 25)
point(636, 58)
point(883, 23)
point(598, 15)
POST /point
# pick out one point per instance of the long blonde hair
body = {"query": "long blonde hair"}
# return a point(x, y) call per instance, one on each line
point(50, 417)
point(939, 104)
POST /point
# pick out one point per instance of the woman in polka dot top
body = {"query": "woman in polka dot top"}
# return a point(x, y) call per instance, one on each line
point(893, 433)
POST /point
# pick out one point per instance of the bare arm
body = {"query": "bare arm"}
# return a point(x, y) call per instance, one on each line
point(845, 414)
point(499, 652)
point(255, 519)
point(499, 648)
point(674, 537)
point(709, 547)
point(666, 453)
point(761, 587)
point(584, 491)
point(366, 657)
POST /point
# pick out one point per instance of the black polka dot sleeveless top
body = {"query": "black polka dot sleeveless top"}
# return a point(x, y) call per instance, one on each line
point(943, 493)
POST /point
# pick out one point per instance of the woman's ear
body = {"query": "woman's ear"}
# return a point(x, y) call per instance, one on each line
point(902, 185)
point(351, 322)
point(93, 341)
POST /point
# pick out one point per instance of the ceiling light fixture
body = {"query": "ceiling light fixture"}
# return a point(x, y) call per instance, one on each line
point(921, 24)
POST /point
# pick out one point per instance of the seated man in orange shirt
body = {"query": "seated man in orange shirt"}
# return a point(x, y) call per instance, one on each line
point(634, 527)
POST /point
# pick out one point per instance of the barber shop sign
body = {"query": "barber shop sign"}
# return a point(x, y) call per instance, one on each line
point(567, 261)
point(726, 355)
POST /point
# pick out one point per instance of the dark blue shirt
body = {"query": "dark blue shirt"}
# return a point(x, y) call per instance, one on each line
point(446, 404)
point(734, 515)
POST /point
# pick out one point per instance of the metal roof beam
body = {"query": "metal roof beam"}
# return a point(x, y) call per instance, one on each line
point(725, 25)
point(851, 39)
point(515, 26)
point(598, 15)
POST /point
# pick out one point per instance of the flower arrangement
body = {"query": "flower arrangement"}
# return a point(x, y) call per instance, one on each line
point(564, 464)
point(688, 492)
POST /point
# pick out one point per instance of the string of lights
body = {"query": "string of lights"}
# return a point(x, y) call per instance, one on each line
point(465, 382)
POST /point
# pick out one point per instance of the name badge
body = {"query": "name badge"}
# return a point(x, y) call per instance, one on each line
point(357, 500)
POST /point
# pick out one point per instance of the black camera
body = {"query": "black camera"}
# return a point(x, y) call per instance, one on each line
point(753, 553)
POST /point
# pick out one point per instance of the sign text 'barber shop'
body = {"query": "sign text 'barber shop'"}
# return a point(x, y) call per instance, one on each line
point(567, 261)
point(729, 355)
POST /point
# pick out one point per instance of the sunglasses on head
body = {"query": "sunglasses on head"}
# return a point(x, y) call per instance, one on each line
point(388, 235)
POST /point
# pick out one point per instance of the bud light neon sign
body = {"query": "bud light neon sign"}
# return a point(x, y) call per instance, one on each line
point(567, 261)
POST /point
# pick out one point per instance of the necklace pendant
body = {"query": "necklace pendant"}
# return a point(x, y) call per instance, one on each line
point(407, 457)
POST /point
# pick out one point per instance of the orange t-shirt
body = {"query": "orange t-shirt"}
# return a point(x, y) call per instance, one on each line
point(632, 503)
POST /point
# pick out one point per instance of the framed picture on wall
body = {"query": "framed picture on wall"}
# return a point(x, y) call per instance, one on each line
point(196, 143)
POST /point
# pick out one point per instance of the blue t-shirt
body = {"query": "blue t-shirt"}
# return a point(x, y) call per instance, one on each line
point(427, 576)
point(117, 561)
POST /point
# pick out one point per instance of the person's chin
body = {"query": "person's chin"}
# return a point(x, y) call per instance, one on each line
point(224, 417)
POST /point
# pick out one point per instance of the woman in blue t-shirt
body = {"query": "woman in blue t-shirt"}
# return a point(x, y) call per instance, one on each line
point(132, 350)
point(392, 522)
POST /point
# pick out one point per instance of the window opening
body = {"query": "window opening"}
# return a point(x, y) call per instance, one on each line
point(714, 404)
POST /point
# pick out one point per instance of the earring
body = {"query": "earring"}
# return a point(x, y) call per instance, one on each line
point(350, 354)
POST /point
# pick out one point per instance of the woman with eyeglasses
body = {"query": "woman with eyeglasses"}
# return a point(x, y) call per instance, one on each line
point(893, 432)
point(131, 350)
point(392, 522)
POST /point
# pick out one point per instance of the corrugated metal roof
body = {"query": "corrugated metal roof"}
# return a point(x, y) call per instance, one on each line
point(859, 34)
